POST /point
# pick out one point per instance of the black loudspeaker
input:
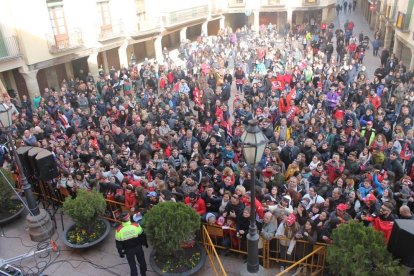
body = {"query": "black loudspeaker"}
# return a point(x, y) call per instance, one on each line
point(22, 152)
point(32, 160)
point(47, 166)
point(401, 243)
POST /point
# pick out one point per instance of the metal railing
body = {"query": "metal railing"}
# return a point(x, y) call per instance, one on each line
point(182, 16)
point(9, 48)
point(271, 251)
point(64, 42)
point(215, 261)
point(310, 2)
point(273, 3)
point(305, 266)
point(304, 256)
point(110, 31)
point(237, 3)
point(147, 25)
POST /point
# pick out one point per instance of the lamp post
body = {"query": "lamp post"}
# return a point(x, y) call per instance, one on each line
point(254, 143)
point(39, 223)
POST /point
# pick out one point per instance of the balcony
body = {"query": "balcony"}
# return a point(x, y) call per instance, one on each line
point(310, 2)
point(64, 42)
point(111, 31)
point(237, 3)
point(146, 27)
point(174, 18)
point(9, 48)
point(273, 3)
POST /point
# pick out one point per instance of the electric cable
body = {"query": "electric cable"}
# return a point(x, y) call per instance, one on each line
point(40, 263)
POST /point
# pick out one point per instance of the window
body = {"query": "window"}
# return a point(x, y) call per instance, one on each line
point(388, 12)
point(273, 2)
point(58, 22)
point(104, 17)
point(142, 18)
point(400, 20)
point(140, 6)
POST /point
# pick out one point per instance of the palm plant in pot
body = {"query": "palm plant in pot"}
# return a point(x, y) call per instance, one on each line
point(88, 229)
point(170, 227)
point(10, 207)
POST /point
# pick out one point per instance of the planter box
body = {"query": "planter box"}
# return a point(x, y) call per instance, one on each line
point(89, 244)
point(9, 219)
point(194, 270)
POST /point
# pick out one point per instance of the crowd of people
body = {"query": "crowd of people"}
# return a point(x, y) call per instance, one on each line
point(340, 141)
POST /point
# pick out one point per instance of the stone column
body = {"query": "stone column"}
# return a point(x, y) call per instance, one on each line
point(93, 64)
point(325, 12)
point(69, 70)
point(105, 61)
point(158, 49)
point(372, 21)
point(387, 36)
point(412, 60)
point(3, 89)
point(397, 48)
point(204, 29)
point(289, 16)
point(30, 77)
point(122, 53)
point(256, 22)
point(183, 34)
point(222, 22)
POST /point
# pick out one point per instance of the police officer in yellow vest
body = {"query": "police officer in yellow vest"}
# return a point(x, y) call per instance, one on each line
point(128, 243)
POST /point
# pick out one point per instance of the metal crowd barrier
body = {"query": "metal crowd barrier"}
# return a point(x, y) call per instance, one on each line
point(214, 258)
point(271, 252)
point(304, 255)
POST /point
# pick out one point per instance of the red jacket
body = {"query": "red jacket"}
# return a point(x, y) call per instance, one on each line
point(199, 206)
point(258, 205)
point(375, 101)
point(334, 171)
point(130, 200)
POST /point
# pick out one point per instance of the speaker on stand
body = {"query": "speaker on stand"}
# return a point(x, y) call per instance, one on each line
point(32, 160)
point(46, 165)
point(23, 153)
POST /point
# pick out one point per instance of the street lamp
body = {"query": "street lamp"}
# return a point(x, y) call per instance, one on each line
point(39, 223)
point(254, 143)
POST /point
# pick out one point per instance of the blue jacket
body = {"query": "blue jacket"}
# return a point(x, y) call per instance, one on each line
point(364, 191)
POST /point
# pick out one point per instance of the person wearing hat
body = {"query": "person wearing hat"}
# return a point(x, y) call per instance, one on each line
point(340, 213)
point(129, 243)
point(150, 200)
point(370, 207)
point(286, 232)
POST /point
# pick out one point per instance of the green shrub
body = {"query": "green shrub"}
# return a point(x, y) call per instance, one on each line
point(6, 191)
point(169, 224)
point(85, 208)
point(360, 250)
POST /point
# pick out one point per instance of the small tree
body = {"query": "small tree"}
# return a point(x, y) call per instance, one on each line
point(169, 224)
point(85, 208)
point(6, 191)
point(360, 250)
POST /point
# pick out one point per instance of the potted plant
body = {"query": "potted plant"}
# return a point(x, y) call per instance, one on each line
point(360, 250)
point(170, 228)
point(10, 207)
point(88, 229)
